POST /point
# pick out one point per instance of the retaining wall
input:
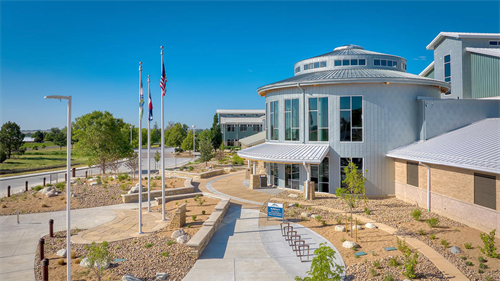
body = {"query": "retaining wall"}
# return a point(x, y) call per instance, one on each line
point(134, 197)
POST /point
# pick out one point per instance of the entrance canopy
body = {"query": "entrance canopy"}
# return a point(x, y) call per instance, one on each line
point(286, 153)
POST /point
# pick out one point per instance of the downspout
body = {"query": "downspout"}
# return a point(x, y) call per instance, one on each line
point(304, 112)
point(428, 185)
point(308, 173)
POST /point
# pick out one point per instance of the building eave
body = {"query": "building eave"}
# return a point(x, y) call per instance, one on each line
point(427, 69)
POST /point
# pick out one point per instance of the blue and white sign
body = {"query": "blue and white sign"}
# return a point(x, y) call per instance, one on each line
point(275, 210)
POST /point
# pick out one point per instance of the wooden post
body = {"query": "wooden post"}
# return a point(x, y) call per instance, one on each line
point(8, 191)
point(66, 177)
point(51, 228)
point(86, 174)
point(44, 181)
point(74, 172)
point(26, 186)
point(45, 270)
point(41, 242)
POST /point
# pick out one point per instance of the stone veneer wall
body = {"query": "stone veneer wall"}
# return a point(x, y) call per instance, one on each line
point(194, 175)
point(179, 218)
point(134, 197)
point(200, 240)
point(452, 195)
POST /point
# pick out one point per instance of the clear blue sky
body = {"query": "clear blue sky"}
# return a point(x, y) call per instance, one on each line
point(216, 53)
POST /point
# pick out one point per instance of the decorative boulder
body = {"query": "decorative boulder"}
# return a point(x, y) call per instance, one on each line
point(177, 233)
point(105, 264)
point(85, 263)
point(51, 193)
point(354, 227)
point(129, 277)
point(93, 183)
point(46, 190)
point(291, 205)
point(293, 195)
point(349, 244)
point(370, 225)
point(182, 239)
point(305, 215)
point(315, 215)
point(339, 228)
point(455, 250)
point(61, 253)
point(135, 189)
point(161, 276)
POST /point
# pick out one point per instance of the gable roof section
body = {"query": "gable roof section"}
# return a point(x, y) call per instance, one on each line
point(428, 69)
point(494, 52)
point(474, 147)
point(443, 35)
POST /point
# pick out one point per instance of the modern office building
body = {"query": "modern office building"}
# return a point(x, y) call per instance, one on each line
point(470, 62)
point(238, 124)
point(362, 106)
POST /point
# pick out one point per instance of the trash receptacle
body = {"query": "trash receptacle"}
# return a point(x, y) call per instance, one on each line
point(263, 180)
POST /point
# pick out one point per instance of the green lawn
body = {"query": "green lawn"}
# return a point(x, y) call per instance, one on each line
point(31, 144)
point(44, 158)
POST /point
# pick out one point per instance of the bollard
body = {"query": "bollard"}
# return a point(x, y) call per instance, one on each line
point(86, 174)
point(8, 191)
point(74, 173)
point(26, 186)
point(44, 179)
point(66, 177)
point(41, 242)
point(51, 228)
point(45, 270)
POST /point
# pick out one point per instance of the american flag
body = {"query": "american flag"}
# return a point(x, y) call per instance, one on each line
point(163, 81)
point(150, 104)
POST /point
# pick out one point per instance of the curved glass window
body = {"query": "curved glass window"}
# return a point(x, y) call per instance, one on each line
point(274, 119)
point(292, 130)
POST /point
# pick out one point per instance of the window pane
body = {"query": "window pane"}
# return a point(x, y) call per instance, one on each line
point(324, 187)
point(313, 104)
point(383, 62)
point(447, 70)
point(345, 62)
point(357, 112)
point(447, 58)
point(362, 62)
point(357, 134)
point(295, 113)
point(376, 62)
point(288, 130)
point(338, 63)
point(288, 105)
point(323, 112)
point(322, 64)
point(389, 63)
point(394, 63)
point(344, 162)
point(447, 79)
point(316, 65)
point(323, 134)
point(345, 102)
point(359, 163)
point(313, 126)
point(295, 134)
point(345, 126)
point(493, 43)
point(354, 62)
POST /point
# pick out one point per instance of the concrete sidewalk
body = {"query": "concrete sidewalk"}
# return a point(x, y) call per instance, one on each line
point(241, 250)
point(18, 242)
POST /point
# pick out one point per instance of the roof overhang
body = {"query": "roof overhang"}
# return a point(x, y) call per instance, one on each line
point(444, 86)
point(457, 35)
point(494, 52)
point(286, 153)
point(427, 69)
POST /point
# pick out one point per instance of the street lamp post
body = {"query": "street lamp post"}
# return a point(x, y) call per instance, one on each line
point(68, 184)
point(194, 144)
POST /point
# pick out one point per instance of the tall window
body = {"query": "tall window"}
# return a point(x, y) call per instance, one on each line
point(292, 120)
point(412, 173)
point(485, 190)
point(274, 117)
point(243, 128)
point(344, 162)
point(256, 128)
point(274, 174)
point(292, 176)
point(351, 119)
point(447, 68)
point(321, 176)
point(230, 128)
point(318, 119)
point(267, 124)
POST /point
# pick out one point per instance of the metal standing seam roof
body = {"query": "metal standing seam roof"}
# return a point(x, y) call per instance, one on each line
point(366, 75)
point(442, 35)
point(240, 111)
point(474, 147)
point(495, 52)
point(286, 153)
point(240, 120)
point(254, 139)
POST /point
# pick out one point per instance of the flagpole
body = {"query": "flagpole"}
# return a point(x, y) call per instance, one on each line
point(140, 149)
point(149, 153)
point(162, 152)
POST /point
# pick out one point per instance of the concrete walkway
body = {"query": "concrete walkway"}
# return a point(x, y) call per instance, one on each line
point(18, 242)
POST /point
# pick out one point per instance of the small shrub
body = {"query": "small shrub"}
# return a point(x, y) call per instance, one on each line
point(193, 217)
point(488, 278)
point(468, 246)
point(469, 263)
point(464, 258)
point(323, 223)
point(43, 205)
point(480, 271)
point(481, 259)
point(190, 168)
point(421, 232)
point(343, 239)
point(37, 188)
point(388, 277)
point(402, 245)
point(170, 242)
point(339, 220)
point(201, 202)
point(309, 208)
point(393, 262)
point(148, 245)
point(135, 241)
point(176, 203)
point(445, 243)
point(489, 244)
point(367, 211)
point(186, 201)
point(117, 247)
point(410, 264)
point(196, 198)
point(433, 236)
point(432, 222)
point(483, 266)
point(73, 254)
point(165, 254)
point(60, 186)
point(354, 248)
point(376, 264)
point(373, 272)
point(188, 226)
point(415, 214)
point(318, 218)
point(61, 261)
point(303, 218)
point(4, 206)
point(77, 261)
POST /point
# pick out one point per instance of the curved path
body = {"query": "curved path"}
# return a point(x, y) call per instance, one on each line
point(247, 246)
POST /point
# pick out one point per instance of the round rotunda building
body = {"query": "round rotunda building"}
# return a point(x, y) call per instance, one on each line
point(346, 105)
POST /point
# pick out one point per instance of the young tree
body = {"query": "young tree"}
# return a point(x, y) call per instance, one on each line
point(322, 266)
point(187, 144)
point(155, 134)
point(100, 138)
point(157, 158)
point(355, 187)
point(133, 163)
point(98, 258)
point(11, 138)
point(38, 136)
point(206, 150)
point(176, 135)
point(215, 132)
point(60, 139)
